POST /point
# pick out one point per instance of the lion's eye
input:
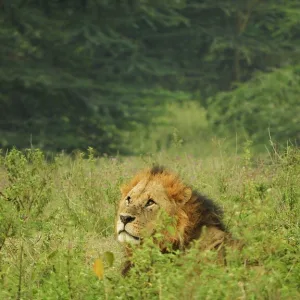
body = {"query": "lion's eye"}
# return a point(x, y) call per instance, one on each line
point(127, 200)
point(149, 203)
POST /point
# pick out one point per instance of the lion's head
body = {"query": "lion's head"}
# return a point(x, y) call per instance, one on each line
point(156, 190)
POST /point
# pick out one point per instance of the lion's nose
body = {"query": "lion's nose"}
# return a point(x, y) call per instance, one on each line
point(126, 219)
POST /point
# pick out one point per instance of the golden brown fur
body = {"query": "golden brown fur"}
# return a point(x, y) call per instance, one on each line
point(156, 189)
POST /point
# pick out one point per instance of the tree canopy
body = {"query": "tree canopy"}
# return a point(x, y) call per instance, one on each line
point(80, 73)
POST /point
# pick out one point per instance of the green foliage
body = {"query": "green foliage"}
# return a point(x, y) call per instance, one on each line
point(266, 106)
point(25, 199)
point(76, 72)
point(48, 248)
point(227, 41)
point(85, 73)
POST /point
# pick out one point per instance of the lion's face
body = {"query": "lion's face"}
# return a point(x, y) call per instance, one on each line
point(153, 196)
point(139, 210)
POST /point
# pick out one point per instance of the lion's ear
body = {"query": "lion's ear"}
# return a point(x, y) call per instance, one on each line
point(187, 194)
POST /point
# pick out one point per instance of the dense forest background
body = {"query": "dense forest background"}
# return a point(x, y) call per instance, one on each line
point(107, 74)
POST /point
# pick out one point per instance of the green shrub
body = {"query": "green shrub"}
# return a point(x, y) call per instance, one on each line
point(266, 106)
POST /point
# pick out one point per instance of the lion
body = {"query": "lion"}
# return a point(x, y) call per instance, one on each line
point(155, 190)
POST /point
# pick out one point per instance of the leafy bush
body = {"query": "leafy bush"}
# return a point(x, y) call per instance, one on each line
point(266, 105)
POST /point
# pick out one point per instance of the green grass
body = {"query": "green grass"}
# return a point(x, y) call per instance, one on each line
point(183, 125)
point(57, 217)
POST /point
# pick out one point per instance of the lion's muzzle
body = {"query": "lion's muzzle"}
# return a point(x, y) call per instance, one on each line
point(124, 235)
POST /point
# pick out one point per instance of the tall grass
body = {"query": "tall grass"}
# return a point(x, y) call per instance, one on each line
point(57, 216)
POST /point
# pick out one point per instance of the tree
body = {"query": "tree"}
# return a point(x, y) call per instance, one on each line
point(81, 73)
point(77, 73)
